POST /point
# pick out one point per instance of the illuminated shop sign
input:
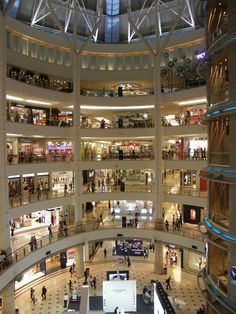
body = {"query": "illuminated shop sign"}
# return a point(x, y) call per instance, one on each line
point(201, 55)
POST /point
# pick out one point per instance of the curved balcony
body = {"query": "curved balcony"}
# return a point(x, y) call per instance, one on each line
point(183, 190)
point(215, 287)
point(119, 92)
point(198, 154)
point(218, 231)
point(116, 156)
point(31, 158)
point(21, 200)
point(122, 187)
point(96, 231)
point(27, 119)
point(39, 79)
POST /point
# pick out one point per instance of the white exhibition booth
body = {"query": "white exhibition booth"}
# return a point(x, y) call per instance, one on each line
point(121, 293)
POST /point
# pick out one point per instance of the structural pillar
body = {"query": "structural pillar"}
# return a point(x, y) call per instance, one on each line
point(157, 213)
point(86, 252)
point(158, 259)
point(77, 152)
point(9, 300)
point(4, 225)
point(79, 261)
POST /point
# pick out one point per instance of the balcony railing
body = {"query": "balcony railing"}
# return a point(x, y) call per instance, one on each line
point(183, 190)
point(89, 189)
point(25, 250)
point(186, 155)
point(116, 93)
point(39, 79)
point(116, 156)
point(26, 119)
point(219, 158)
point(21, 159)
point(15, 201)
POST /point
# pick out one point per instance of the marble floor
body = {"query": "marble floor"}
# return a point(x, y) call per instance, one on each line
point(184, 291)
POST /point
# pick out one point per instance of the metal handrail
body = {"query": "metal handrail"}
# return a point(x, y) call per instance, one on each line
point(25, 250)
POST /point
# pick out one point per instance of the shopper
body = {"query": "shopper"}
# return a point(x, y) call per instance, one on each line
point(70, 285)
point(116, 311)
point(31, 293)
point(94, 283)
point(167, 225)
point(128, 261)
point(168, 283)
point(50, 230)
point(105, 253)
point(12, 230)
point(66, 299)
point(71, 271)
point(44, 293)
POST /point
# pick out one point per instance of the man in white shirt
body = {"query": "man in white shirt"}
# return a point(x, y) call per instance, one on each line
point(66, 300)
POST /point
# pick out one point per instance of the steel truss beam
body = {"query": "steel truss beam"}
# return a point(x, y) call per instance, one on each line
point(71, 44)
point(186, 15)
point(45, 8)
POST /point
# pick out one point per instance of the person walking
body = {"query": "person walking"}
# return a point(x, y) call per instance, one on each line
point(116, 311)
point(66, 299)
point(167, 225)
point(94, 283)
point(31, 293)
point(105, 253)
point(50, 230)
point(44, 293)
point(12, 230)
point(168, 283)
point(71, 271)
point(128, 261)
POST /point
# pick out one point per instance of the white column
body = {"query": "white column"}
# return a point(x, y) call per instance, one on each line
point(79, 261)
point(86, 252)
point(77, 151)
point(4, 226)
point(157, 214)
point(158, 262)
point(8, 299)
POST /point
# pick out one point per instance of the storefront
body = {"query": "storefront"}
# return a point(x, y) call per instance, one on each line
point(60, 150)
point(131, 210)
point(192, 214)
point(59, 179)
point(50, 265)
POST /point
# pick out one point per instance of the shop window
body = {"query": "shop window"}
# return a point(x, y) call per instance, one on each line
point(14, 43)
point(84, 62)
point(92, 62)
point(102, 63)
point(8, 36)
point(24, 46)
point(67, 59)
point(33, 50)
point(50, 55)
point(146, 62)
point(58, 57)
point(119, 63)
point(137, 62)
point(41, 53)
point(111, 63)
point(128, 63)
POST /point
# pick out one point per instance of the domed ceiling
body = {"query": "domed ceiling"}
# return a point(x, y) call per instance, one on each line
point(106, 21)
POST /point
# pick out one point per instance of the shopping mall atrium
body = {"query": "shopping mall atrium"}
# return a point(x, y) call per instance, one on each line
point(118, 156)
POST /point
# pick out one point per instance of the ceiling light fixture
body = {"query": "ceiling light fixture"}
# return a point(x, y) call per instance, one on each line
point(38, 102)
point(10, 97)
point(192, 101)
point(116, 107)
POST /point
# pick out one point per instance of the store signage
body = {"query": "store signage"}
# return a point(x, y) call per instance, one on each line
point(201, 55)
